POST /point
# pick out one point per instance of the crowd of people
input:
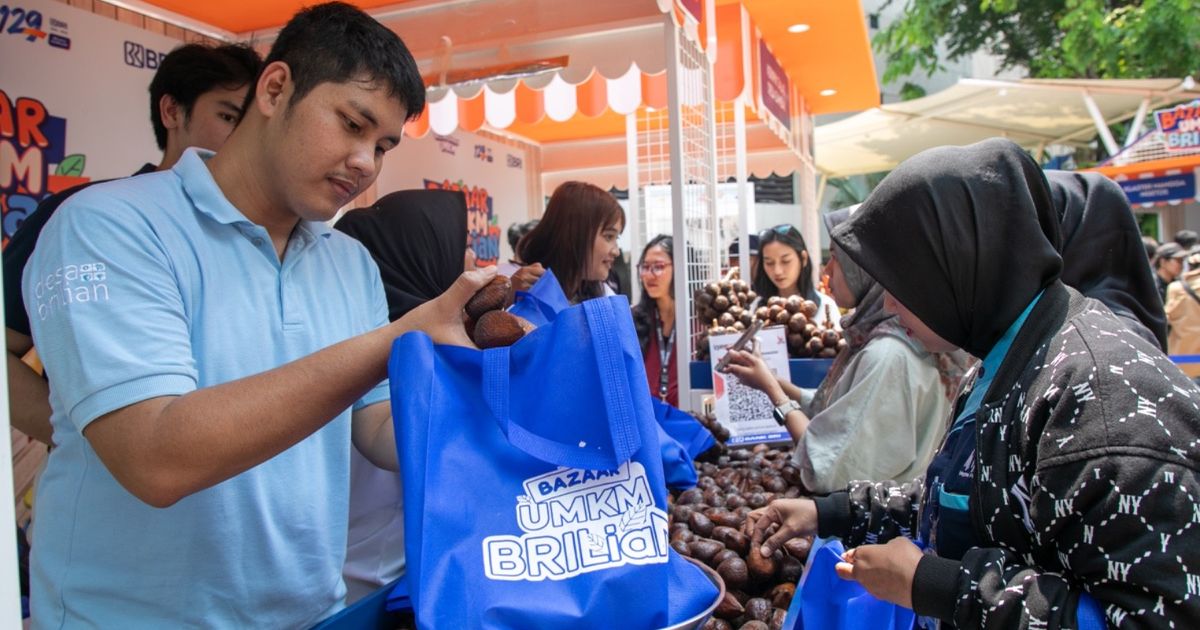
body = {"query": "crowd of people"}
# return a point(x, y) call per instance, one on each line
point(1030, 447)
point(1065, 486)
point(1003, 441)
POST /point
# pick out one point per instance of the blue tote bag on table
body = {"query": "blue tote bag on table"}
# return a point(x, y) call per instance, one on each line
point(533, 484)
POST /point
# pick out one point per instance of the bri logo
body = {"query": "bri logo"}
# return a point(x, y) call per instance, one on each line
point(579, 521)
point(139, 56)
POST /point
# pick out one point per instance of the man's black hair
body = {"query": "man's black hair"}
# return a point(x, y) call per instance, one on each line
point(193, 69)
point(337, 43)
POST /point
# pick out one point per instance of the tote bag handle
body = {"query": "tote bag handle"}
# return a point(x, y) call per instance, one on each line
point(549, 311)
point(614, 382)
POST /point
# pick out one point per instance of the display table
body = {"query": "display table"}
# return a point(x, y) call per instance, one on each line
point(806, 373)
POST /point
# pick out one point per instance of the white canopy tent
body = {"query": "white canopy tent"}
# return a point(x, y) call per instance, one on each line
point(1034, 113)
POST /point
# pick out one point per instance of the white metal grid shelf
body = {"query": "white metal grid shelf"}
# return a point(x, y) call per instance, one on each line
point(699, 251)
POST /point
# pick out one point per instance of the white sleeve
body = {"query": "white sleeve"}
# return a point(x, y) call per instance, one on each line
point(887, 398)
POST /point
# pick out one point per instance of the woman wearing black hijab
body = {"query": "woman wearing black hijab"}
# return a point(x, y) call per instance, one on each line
point(1103, 253)
point(418, 239)
point(1066, 491)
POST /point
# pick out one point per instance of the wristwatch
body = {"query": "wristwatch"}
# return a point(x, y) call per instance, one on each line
point(783, 410)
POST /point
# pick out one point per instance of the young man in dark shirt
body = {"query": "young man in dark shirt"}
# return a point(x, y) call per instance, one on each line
point(196, 99)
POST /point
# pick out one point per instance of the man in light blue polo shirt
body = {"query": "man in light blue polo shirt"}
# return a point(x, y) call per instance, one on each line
point(206, 336)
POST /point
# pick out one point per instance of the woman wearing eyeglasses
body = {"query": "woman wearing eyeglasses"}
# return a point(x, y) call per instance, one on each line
point(654, 318)
point(577, 239)
point(785, 269)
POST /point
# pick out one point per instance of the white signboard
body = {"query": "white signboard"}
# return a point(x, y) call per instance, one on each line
point(745, 411)
point(74, 101)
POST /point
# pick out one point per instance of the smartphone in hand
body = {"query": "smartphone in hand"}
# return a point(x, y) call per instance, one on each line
point(747, 337)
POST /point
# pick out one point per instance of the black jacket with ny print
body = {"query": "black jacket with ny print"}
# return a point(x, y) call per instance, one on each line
point(1085, 479)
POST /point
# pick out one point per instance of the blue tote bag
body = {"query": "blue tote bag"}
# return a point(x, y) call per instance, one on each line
point(825, 601)
point(683, 428)
point(542, 302)
point(533, 487)
point(681, 438)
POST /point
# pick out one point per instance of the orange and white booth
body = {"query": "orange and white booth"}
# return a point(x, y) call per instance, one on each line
point(1160, 171)
point(677, 101)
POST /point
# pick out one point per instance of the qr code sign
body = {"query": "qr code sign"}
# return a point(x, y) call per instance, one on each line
point(745, 411)
point(747, 404)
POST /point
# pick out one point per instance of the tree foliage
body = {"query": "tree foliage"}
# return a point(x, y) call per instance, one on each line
point(1106, 39)
point(848, 191)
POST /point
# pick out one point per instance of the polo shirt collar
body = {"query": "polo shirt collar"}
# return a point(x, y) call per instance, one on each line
point(200, 186)
point(315, 228)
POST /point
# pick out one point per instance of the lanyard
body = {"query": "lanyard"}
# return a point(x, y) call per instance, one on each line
point(665, 345)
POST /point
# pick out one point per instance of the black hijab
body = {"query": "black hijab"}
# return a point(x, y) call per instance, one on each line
point(1102, 251)
point(964, 237)
point(418, 238)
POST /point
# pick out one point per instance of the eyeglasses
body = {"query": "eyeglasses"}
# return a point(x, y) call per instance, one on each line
point(782, 228)
point(655, 269)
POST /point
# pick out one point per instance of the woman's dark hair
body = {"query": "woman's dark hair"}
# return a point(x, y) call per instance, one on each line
point(335, 42)
point(790, 236)
point(192, 70)
point(562, 240)
point(645, 312)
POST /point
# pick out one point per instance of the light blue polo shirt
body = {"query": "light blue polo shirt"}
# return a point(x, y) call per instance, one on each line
point(157, 286)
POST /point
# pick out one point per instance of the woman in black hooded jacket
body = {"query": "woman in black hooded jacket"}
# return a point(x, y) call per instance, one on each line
point(1066, 491)
point(1102, 251)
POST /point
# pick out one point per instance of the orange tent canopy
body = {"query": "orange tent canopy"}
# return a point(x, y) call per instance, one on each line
point(833, 53)
point(239, 16)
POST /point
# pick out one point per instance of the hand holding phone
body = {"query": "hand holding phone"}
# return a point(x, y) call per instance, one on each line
point(747, 337)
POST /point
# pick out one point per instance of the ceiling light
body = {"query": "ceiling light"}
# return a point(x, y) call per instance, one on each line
point(828, 92)
point(798, 28)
